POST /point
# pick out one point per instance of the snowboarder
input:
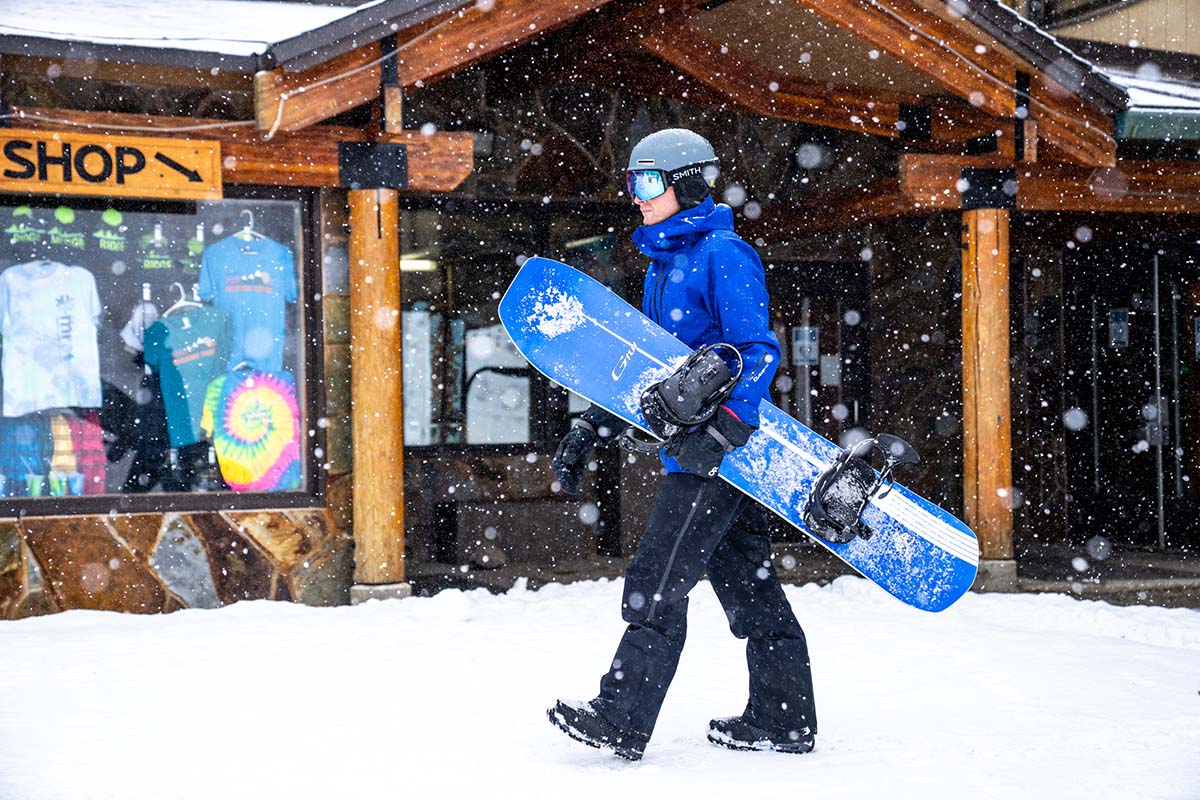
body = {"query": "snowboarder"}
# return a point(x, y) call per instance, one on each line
point(704, 285)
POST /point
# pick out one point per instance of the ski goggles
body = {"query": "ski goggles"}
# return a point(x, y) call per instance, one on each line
point(645, 184)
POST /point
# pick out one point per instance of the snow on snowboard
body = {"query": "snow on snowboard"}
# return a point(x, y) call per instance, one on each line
point(582, 336)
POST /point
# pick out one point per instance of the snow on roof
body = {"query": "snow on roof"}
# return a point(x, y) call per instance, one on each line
point(230, 27)
point(1153, 92)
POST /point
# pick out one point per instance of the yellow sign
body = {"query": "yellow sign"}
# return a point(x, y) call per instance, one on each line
point(48, 162)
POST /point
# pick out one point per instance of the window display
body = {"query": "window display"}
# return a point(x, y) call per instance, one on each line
point(150, 350)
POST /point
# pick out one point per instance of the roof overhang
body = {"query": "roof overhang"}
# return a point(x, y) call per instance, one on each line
point(1043, 51)
point(244, 36)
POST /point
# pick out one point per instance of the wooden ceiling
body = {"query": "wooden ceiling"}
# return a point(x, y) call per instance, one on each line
point(785, 37)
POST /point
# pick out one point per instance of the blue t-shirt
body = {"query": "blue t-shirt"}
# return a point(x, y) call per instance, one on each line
point(185, 350)
point(252, 281)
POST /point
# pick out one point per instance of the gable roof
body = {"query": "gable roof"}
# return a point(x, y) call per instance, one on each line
point(234, 35)
point(1041, 49)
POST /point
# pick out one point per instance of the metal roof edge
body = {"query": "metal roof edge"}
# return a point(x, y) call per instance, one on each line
point(1044, 51)
point(352, 31)
point(126, 54)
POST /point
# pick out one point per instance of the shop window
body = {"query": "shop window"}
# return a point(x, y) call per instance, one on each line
point(464, 381)
point(151, 349)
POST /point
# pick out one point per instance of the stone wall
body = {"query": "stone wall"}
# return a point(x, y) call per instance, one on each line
point(152, 563)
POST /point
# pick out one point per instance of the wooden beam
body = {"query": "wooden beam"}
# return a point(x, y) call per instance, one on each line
point(377, 408)
point(972, 66)
point(436, 163)
point(931, 183)
point(393, 109)
point(831, 211)
point(987, 424)
point(1074, 131)
point(480, 32)
point(752, 87)
point(639, 72)
point(118, 72)
point(714, 72)
point(288, 101)
point(1130, 187)
point(932, 46)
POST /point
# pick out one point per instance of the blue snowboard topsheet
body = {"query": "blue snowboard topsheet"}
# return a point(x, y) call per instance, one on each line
point(581, 335)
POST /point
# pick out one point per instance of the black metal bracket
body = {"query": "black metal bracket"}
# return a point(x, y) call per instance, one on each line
point(1023, 113)
point(372, 165)
point(389, 74)
point(389, 70)
point(982, 145)
point(915, 123)
point(989, 188)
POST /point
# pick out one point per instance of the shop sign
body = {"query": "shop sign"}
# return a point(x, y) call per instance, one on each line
point(45, 162)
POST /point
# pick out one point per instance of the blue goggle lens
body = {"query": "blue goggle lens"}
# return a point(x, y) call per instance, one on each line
point(645, 184)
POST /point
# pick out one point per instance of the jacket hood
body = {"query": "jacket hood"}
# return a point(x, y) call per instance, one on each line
point(683, 229)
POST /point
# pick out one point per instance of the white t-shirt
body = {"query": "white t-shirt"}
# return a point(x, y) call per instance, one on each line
point(49, 314)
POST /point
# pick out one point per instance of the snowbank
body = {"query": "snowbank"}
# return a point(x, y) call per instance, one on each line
point(1017, 696)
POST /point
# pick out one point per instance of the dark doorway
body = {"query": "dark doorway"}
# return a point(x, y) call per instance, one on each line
point(819, 313)
point(1133, 394)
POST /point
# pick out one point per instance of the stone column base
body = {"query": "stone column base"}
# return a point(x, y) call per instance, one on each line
point(996, 575)
point(362, 592)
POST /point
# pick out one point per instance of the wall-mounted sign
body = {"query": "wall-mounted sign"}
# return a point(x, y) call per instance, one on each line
point(47, 162)
point(806, 345)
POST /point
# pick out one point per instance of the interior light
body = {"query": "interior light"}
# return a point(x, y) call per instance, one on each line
point(418, 261)
point(588, 241)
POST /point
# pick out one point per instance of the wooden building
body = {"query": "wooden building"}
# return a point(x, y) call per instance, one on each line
point(975, 236)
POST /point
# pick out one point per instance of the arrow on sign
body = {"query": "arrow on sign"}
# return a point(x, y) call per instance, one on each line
point(192, 175)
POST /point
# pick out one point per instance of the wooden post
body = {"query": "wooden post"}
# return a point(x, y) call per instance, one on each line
point(375, 389)
point(987, 436)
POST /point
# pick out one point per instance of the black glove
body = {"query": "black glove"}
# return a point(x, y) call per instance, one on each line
point(700, 451)
point(572, 456)
point(593, 426)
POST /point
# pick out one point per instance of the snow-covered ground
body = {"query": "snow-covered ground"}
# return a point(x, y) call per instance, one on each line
point(1018, 696)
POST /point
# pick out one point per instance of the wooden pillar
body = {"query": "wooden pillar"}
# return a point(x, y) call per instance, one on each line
point(375, 387)
point(987, 431)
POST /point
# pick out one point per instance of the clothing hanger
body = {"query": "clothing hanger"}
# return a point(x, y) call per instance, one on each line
point(182, 302)
point(247, 233)
point(241, 365)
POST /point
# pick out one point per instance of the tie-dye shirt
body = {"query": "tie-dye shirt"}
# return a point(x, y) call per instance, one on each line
point(49, 314)
point(254, 423)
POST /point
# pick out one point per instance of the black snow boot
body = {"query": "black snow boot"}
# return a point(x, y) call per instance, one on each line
point(740, 733)
point(583, 723)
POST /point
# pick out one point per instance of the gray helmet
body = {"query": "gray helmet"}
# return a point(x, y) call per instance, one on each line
point(686, 159)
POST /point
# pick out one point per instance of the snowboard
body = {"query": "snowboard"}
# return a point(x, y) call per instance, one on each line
point(581, 335)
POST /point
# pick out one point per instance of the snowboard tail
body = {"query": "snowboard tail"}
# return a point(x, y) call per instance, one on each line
point(581, 335)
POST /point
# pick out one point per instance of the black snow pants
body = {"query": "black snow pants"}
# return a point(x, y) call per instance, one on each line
point(700, 524)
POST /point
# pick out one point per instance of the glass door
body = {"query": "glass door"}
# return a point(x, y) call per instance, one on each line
point(1133, 428)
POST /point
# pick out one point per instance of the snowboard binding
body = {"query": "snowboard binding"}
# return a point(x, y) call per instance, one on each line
point(841, 494)
point(687, 397)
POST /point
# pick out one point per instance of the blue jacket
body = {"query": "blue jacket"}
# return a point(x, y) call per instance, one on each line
point(706, 285)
